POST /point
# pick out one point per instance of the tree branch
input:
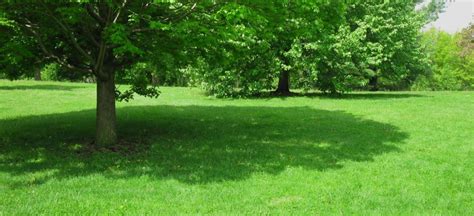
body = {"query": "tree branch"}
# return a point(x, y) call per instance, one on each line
point(68, 33)
point(119, 11)
point(93, 14)
point(49, 54)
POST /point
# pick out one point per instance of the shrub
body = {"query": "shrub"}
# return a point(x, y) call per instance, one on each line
point(50, 72)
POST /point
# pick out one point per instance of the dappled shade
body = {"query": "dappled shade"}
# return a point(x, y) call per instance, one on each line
point(193, 144)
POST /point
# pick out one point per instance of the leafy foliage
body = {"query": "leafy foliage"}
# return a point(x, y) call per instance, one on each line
point(452, 60)
point(379, 41)
point(230, 48)
point(240, 59)
point(332, 46)
point(17, 52)
point(139, 76)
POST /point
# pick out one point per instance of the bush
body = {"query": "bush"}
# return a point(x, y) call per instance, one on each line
point(50, 72)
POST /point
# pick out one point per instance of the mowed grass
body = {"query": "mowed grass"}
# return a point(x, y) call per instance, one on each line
point(390, 153)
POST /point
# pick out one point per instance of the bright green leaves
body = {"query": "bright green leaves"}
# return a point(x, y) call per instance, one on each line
point(452, 64)
point(233, 13)
point(235, 49)
point(16, 57)
point(160, 26)
point(16, 54)
point(5, 22)
point(380, 42)
point(118, 36)
point(139, 76)
point(253, 41)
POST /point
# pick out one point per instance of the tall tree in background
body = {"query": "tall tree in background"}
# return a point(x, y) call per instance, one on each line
point(466, 42)
point(300, 28)
point(379, 42)
point(451, 59)
point(430, 9)
point(232, 50)
point(260, 44)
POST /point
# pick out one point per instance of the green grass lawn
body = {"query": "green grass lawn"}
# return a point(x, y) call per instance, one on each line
point(365, 153)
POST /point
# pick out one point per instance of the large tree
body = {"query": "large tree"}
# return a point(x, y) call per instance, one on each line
point(100, 38)
point(299, 30)
point(451, 58)
point(240, 60)
point(261, 45)
point(379, 42)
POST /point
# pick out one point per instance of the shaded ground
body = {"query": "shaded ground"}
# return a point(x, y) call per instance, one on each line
point(194, 144)
point(388, 153)
point(346, 96)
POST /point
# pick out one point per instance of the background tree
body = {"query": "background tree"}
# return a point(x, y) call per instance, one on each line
point(18, 53)
point(451, 58)
point(302, 39)
point(466, 41)
point(378, 45)
point(260, 43)
point(240, 60)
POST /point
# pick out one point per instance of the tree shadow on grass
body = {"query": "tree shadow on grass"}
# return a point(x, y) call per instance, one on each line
point(40, 87)
point(192, 144)
point(346, 96)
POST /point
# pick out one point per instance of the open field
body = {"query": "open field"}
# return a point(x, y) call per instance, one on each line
point(365, 153)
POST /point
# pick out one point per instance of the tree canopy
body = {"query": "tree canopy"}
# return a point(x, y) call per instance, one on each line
point(227, 47)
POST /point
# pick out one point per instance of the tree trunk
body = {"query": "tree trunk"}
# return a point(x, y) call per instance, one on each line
point(374, 83)
point(38, 74)
point(155, 80)
point(283, 83)
point(106, 132)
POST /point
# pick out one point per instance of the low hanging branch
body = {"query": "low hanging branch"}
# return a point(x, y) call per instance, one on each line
point(69, 33)
point(49, 54)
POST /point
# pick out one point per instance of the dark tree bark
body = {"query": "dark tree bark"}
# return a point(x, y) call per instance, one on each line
point(374, 83)
point(155, 80)
point(283, 83)
point(38, 74)
point(106, 132)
